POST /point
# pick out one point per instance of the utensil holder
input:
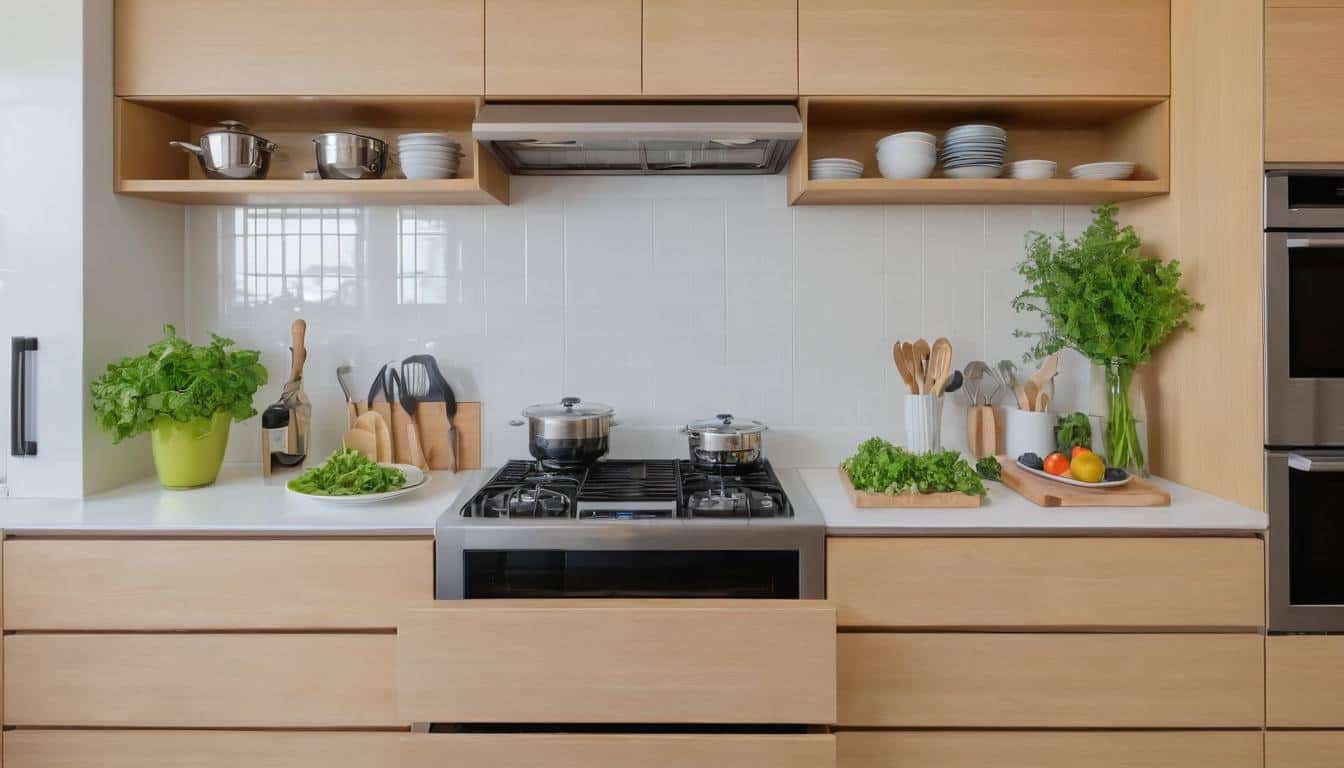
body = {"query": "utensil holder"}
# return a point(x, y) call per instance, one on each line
point(1028, 432)
point(923, 423)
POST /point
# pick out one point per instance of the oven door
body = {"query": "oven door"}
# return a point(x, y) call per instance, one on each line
point(1304, 199)
point(1305, 499)
point(1304, 339)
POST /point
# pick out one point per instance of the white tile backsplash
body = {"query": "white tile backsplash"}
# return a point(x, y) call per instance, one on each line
point(670, 299)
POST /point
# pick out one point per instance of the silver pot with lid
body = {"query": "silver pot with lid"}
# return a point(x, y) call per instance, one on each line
point(725, 443)
point(230, 151)
point(568, 433)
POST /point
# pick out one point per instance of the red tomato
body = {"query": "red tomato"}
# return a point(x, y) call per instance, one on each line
point(1077, 449)
point(1057, 464)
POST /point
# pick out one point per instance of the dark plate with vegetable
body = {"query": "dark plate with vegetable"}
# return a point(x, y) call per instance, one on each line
point(348, 477)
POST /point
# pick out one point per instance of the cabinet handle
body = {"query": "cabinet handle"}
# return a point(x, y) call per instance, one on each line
point(19, 444)
point(1328, 463)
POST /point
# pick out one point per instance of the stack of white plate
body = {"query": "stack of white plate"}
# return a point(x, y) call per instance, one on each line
point(835, 168)
point(909, 155)
point(1102, 171)
point(973, 151)
point(428, 155)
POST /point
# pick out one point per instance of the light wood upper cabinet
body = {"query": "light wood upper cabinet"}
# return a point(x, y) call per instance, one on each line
point(299, 47)
point(984, 47)
point(713, 48)
point(570, 48)
point(1304, 84)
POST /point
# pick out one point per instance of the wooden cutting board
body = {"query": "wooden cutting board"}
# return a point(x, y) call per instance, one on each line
point(1048, 493)
point(467, 420)
point(870, 500)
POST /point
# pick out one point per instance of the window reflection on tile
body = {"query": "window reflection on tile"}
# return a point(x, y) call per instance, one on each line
point(307, 255)
point(429, 257)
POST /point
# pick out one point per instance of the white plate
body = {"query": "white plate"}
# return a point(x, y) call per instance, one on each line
point(1111, 171)
point(415, 479)
point(973, 172)
point(1071, 481)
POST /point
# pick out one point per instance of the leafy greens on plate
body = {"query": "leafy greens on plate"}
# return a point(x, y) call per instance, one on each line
point(179, 380)
point(881, 467)
point(348, 473)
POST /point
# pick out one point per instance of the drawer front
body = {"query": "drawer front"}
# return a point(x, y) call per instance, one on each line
point(618, 661)
point(1315, 749)
point(223, 681)
point(198, 749)
point(297, 47)
point(1304, 83)
point(1304, 680)
point(1051, 681)
point(1045, 749)
point(158, 584)
point(1009, 582)
point(529, 750)
point(904, 47)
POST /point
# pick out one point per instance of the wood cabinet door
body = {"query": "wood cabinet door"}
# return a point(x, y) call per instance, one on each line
point(984, 47)
point(1304, 84)
point(1050, 749)
point(1303, 749)
point(1304, 681)
point(689, 750)
point(557, 49)
point(618, 661)
point(713, 48)
point(69, 748)
point(299, 47)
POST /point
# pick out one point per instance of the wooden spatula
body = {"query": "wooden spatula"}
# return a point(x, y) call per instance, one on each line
point(922, 352)
point(940, 365)
point(903, 366)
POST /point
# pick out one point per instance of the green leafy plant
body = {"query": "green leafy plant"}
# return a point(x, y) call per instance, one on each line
point(1098, 295)
point(348, 473)
point(1073, 429)
point(179, 380)
point(988, 468)
point(879, 466)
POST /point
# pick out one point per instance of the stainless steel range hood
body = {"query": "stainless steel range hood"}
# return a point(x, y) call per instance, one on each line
point(617, 139)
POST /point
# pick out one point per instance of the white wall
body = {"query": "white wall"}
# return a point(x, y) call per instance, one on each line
point(668, 298)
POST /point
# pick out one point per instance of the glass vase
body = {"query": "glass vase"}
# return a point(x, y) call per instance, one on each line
point(1124, 445)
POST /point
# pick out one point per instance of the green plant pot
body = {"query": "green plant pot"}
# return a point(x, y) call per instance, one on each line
point(188, 454)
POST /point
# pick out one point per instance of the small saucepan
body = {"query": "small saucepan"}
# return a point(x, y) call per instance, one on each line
point(725, 444)
point(570, 433)
point(230, 151)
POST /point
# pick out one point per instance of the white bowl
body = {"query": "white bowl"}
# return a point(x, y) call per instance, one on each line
point(905, 166)
point(973, 172)
point(407, 141)
point(413, 172)
point(1032, 169)
point(428, 151)
point(927, 138)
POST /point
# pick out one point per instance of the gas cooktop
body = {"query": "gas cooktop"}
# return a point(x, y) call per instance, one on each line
point(618, 490)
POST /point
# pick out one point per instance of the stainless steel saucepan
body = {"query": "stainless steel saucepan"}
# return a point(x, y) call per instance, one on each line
point(344, 155)
point(725, 444)
point(230, 151)
point(570, 433)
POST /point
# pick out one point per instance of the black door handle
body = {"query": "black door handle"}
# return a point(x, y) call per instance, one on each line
point(19, 444)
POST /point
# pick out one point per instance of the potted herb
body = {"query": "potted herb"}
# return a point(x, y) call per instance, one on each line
point(185, 397)
point(1099, 296)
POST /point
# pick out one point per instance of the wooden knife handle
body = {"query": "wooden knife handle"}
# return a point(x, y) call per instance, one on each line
point(298, 352)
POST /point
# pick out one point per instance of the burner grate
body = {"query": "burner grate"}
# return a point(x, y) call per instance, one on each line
point(618, 480)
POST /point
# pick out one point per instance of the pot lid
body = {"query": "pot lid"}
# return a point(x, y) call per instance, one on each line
point(726, 424)
point(567, 408)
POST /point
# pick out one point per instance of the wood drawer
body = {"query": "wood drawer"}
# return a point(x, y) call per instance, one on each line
point(199, 749)
point(300, 47)
point(528, 750)
point(618, 661)
point(1051, 681)
point(156, 584)
point(1046, 749)
point(1046, 582)
point(1304, 681)
point(217, 681)
point(1305, 749)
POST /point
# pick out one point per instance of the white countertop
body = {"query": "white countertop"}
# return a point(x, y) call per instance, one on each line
point(240, 502)
point(1004, 511)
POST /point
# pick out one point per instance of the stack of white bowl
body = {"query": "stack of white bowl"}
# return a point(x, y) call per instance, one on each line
point(428, 155)
point(974, 151)
point(834, 168)
point(908, 155)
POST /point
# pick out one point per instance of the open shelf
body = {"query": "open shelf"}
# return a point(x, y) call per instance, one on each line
point(1068, 130)
point(147, 167)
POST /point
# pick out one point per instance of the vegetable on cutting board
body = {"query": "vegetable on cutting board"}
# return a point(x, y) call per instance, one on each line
point(881, 467)
point(1073, 430)
point(348, 473)
point(988, 468)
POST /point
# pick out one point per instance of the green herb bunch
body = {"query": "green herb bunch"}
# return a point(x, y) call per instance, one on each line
point(879, 466)
point(1098, 295)
point(179, 380)
point(348, 473)
point(1073, 429)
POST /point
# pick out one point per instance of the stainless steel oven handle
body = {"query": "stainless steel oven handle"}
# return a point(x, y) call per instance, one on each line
point(1316, 242)
point(1316, 463)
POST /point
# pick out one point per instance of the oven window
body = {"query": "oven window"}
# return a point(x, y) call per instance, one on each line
point(1315, 191)
point(1316, 323)
point(646, 573)
point(1316, 538)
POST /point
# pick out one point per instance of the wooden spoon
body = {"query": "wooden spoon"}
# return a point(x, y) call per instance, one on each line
point(922, 352)
point(1036, 383)
point(903, 366)
point(941, 365)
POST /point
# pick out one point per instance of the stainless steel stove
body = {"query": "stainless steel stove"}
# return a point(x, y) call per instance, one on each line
point(632, 528)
